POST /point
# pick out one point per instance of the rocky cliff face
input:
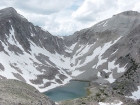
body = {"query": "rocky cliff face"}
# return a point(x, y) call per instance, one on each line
point(106, 53)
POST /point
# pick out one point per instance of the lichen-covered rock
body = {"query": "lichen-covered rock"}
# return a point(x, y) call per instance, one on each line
point(14, 92)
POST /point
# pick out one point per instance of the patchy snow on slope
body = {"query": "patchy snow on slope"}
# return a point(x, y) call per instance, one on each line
point(67, 49)
point(61, 37)
point(53, 85)
point(32, 34)
point(85, 49)
point(91, 57)
point(99, 74)
point(25, 63)
point(12, 40)
point(8, 70)
point(113, 103)
point(102, 51)
point(79, 53)
point(77, 72)
point(114, 52)
point(105, 24)
point(100, 23)
point(88, 59)
point(110, 78)
point(136, 94)
point(28, 70)
point(93, 66)
point(111, 65)
point(72, 46)
point(57, 59)
point(79, 50)
point(107, 71)
point(11, 36)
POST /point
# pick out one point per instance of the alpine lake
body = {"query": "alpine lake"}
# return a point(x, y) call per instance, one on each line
point(72, 90)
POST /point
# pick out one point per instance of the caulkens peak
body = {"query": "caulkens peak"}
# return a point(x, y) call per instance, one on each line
point(10, 12)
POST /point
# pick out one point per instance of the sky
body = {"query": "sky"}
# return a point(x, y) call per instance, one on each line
point(64, 17)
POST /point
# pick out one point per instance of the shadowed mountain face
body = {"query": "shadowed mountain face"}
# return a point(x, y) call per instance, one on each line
point(107, 52)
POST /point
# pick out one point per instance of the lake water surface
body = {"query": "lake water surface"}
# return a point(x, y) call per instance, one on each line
point(74, 89)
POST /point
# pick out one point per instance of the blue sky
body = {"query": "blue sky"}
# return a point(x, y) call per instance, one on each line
point(64, 17)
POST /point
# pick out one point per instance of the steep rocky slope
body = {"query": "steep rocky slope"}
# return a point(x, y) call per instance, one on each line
point(30, 54)
point(106, 53)
point(13, 92)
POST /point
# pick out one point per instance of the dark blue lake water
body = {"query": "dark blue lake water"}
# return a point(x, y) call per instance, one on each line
point(74, 89)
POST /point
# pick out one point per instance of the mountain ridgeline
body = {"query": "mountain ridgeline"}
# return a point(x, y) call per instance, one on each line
point(106, 53)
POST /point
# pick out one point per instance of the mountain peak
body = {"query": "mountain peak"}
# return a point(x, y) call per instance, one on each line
point(8, 9)
point(129, 13)
point(10, 12)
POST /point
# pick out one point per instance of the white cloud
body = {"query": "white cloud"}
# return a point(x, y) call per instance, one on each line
point(124, 5)
point(44, 6)
point(38, 6)
point(63, 24)
point(96, 10)
point(67, 16)
point(36, 19)
point(137, 6)
point(92, 9)
point(64, 27)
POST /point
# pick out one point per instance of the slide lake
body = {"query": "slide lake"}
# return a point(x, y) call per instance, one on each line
point(74, 89)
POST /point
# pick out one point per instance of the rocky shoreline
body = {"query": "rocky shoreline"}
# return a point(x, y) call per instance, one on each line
point(98, 94)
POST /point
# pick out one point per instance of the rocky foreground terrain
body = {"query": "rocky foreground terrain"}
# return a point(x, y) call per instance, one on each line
point(14, 92)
